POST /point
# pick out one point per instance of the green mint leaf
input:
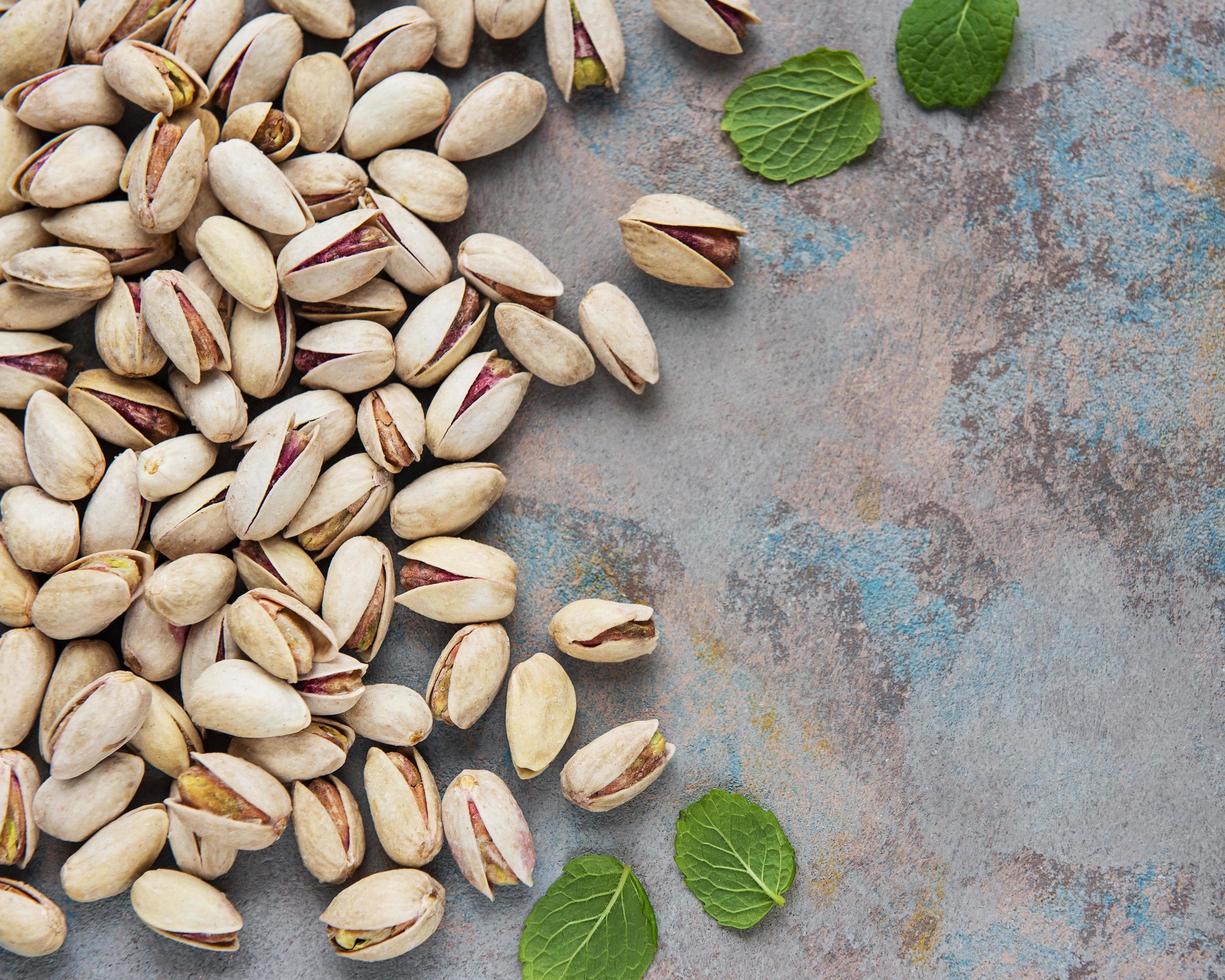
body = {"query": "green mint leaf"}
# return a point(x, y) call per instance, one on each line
point(805, 118)
point(735, 858)
point(595, 921)
point(952, 52)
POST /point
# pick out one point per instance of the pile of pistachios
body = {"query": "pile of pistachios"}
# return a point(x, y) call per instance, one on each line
point(233, 246)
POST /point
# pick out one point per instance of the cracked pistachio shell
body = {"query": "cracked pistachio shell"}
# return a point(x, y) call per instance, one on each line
point(172, 466)
point(553, 353)
point(23, 229)
point(204, 207)
point(27, 658)
point(494, 847)
point(440, 333)
point(42, 534)
point(63, 454)
point(419, 262)
point(117, 515)
point(18, 783)
point(458, 429)
point(185, 323)
point(17, 590)
point(504, 19)
point(240, 260)
point(130, 412)
point(254, 190)
point(507, 272)
point(275, 563)
point(33, 39)
point(427, 185)
point(255, 63)
point(110, 227)
point(359, 595)
point(456, 24)
point(468, 674)
point(123, 341)
point(30, 362)
point(319, 95)
point(404, 805)
point(274, 479)
point(446, 500)
point(216, 797)
point(101, 24)
point(335, 256)
point(74, 167)
point(332, 19)
point(618, 336)
point(705, 25)
point(207, 643)
point(347, 356)
point(200, 29)
point(205, 858)
point(327, 824)
point(336, 419)
point(350, 496)
point(63, 270)
point(190, 589)
point(65, 98)
point(152, 78)
point(319, 749)
point(215, 406)
point(73, 809)
point(167, 738)
point(603, 631)
point(627, 760)
point(116, 855)
point(98, 720)
point(181, 907)
point(397, 110)
point(281, 634)
point(391, 424)
point(496, 114)
point(384, 915)
point(274, 133)
point(659, 254)
point(17, 141)
point(599, 20)
point(378, 300)
point(540, 707)
point(30, 923)
point(80, 663)
point(397, 40)
point(193, 520)
point(28, 309)
point(14, 468)
point(454, 580)
point(330, 184)
point(333, 687)
point(392, 714)
point(152, 646)
point(168, 173)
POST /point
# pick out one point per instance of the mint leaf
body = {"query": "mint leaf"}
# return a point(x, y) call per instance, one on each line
point(735, 858)
point(805, 118)
point(952, 52)
point(595, 921)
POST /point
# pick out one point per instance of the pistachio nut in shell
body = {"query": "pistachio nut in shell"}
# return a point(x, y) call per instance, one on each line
point(618, 336)
point(240, 698)
point(194, 520)
point(200, 29)
point(468, 674)
point(65, 98)
point(190, 589)
point(392, 714)
point(399, 109)
point(446, 500)
point(42, 534)
point(207, 643)
point(327, 824)
point(66, 271)
point(439, 333)
point(335, 417)
point(101, 24)
point(167, 173)
point(347, 356)
point(255, 63)
point(496, 114)
point(181, 907)
point(86, 595)
point(215, 406)
point(378, 300)
point(454, 580)
point(152, 78)
point(359, 595)
point(111, 228)
point(17, 590)
point(384, 915)
point(172, 466)
point(404, 805)
point(474, 406)
point(33, 37)
point(429, 186)
point(80, 663)
point(319, 749)
point(419, 261)
point(167, 738)
point(319, 95)
point(540, 708)
point(604, 631)
point(206, 858)
point(73, 809)
point(152, 646)
point(399, 39)
point(504, 19)
point(681, 240)
point(117, 515)
point(487, 832)
point(616, 767)
point(63, 454)
point(275, 563)
point(254, 190)
point(96, 722)
point(553, 353)
point(240, 260)
point(231, 799)
point(27, 658)
point(18, 832)
point(507, 272)
point(329, 183)
point(332, 19)
point(332, 687)
point(348, 498)
point(456, 23)
point(123, 341)
point(130, 412)
point(334, 257)
point(24, 229)
point(17, 142)
point(185, 323)
point(716, 25)
point(80, 165)
point(116, 855)
point(30, 923)
point(584, 44)
point(391, 424)
point(280, 634)
point(28, 309)
point(14, 468)
point(274, 478)
point(31, 362)
point(274, 133)
point(204, 207)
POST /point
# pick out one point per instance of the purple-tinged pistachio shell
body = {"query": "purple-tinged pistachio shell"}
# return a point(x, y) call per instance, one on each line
point(359, 596)
point(168, 173)
point(121, 337)
point(474, 406)
point(391, 424)
point(274, 478)
point(200, 29)
point(454, 580)
point(255, 63)
point(618, 336)
point(507, 272)
point(717, 25)
point(111, 228)
point(681, 240)
point(318, 750)
point(419, 261)
point(152, 78)
point(275, 563)
point(18, 832)
point(584, 43)
point(130, 412)
point(603, 631)
point(332, 688)
point(399, 39)
point(329, 183)
point(30, 362)
point(336, 418)
point(335, 256)
point(65, 98)
point(185, 323)
point(440, 333)
point(101, 24)
point(274, 133)
point(281, 634)
point(80, 165)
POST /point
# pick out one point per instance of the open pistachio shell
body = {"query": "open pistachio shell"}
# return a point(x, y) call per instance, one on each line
point(167, 738)
point(587, 50)
point(616, 767)
point(507, 272)
point(207, 643)
point(404, 805)
point(123, 340)
point(274, 133)
point(390, 713)
point(335, 417)
point(348, 498)
point(391, 424)
point(230, 799)
point(419, 261)
point(327, 823)
point(66, 271)
point(30, 923)
point(117, 515)
point(80, 165)
point(348, 356)
point(18, 784)
point(17, 590)
point(384, 915)
point(194, 520)
point(181, 907)
point(33, 38)
point(116, 855)
point(468, 674)
point(496, 114)
point(553, 353)
point(206, 858)
point(474, 406)
point(31, 362)
point(454, 580)
point(152, 78)
point(80, 663)
point(73, 809)
point(275, 563)
point(101, 24)
point(678, 238)
point(42, 534)
point(274, 478)
point(17, 142)
point(603, 631)
point(446, 500)
point(399, 39)
point(280, 634)
point(129, 412)
point(86, 595)
point(440, 333)
point(540, 707)
point(334, 257)
point(111, 228)
point(487, 832)
point(359, 595)
point(329, 183)
point(255, 62)
point(200, 29)
point(319, 749)
point(332, 688)
point(167, 173)
point(185, 323)
point(717, 25)
point(96, 722)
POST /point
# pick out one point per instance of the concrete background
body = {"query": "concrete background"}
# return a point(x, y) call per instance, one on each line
point(929, 506)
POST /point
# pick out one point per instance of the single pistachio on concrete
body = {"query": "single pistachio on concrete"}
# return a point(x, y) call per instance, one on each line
point(123, 341)
point(319, 749)
point(454, 580)
point(63, 270)
point(440, 333)
point(487, 832)
point(468, 674)
point(240, 260)
point(116, 855)
point(28, 309)
point(31, 362)
point(24, 229)
point(335, 256)
point(399, 39)
point(378, 300)
point(584, 43)
point(74, 167)
point(63, 454)
point(456, 24)
point(200, 29)
point(152, 646)
point(505, 19)
point(190, 589)
point(167, 738)
point(507, 272)
point(80, 663)
point(329, 183)
point(681, 240)
point(17, 590)
point(319, 95)
point(14, 469)
point(251, 187)
point(275, 563)
point(347, 356)
point(152, 78)
point(65, 98)
point(446, 500)
point(359, 595)
point(207, 643)
point(274, 133)
point(185, 323)
point(117, 515)
point(30, 923)
point(98, 720)
point(474, 406)
point(619, 337)
point(553, 353)
point(350, 496)
point(230, 799)
point(194, 520)
point(172, 466)
point(73, 809)
point(181, 907)
point(130, 412)
point(603, 631)
point(404, 805)
point(540, 706)
point(332, 688)
point(390, 713)
point(281, 634)
point(328, 826)
point(616, 767)
point(204, 857)
point(33, 36)
point(397, 110)
point(215, 406)
point(716, 25)
point(496, 114)
point(429, 186)
point(42, 534)
point(101, 24)
point(111, 228)
point(384, 915)
point(335, 418)
point(333, 19)
point(255, 63)
point(27, 657)
point(274, 479)
point(18, 832)
point(204, 207)
point(168, 173)
point(391, 424)
point(419, 261)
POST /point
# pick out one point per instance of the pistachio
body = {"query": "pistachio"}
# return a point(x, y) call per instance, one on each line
point(397, 40)
point(454, 580)
point(17, 141)
point(42, 534)
point(230, 799)
point(474, 406)
point(17, 590)
point(446, 500)
point(204, 207)
point(275, 563)
point(619, 337)
point(332, 19)
point(73, 809)
point(98, 720)
point(329, 183)
point(507, 272)
point(550, 351)
point(717, 25)
point(207, 643)
point(152, 645)
point(197, 272)
point(584, 44)
point(28, 309)
point(128, 412)
point(404, 806)
point(468, 674)
point(274, 133)
point(333, 687)
point(181, 907)
point(505, 19)
point(319, 749)
point(30, 362)
point(101, 24)
point(172, 466)
point(384, 915)
point(251, 187)
point(32, 39)
point(328, 826)
point(116, 516)
point(185, 323)
point(280, 634)
point(419, 261)
point(168, 173)
point(190, 589)
point(602, 631)
point(205, 858)
point(392, 427)
point(194, 520)
point(18, 831)
point(24, 229)
point(14, 469)
point(487, 832)
point(63, 454)
point(616, 767)
point(240, 261)
point(400, 108)
point(116, 855)
point(273, 480)
point(27, 657)
point(30, 923)
point(319, 95)
point(152, 78)
point(390, 713)
point(540, 706)
point(80, 663)
point(427, 185)
point(456, 23)
point(358, 596)
point(121, 337)
point(347, 356)
point(215, 406)
point(72, 168)
point(255, 63)
point(111, 228)
point(496, 114)
point(63, 270)
point(336, 420)
point(378, 301)
point(439, 333)
point(65, 98)
point(167, 738)
point(350, 496)
point(681, 240)
point(200, 29)
point(335, 256)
